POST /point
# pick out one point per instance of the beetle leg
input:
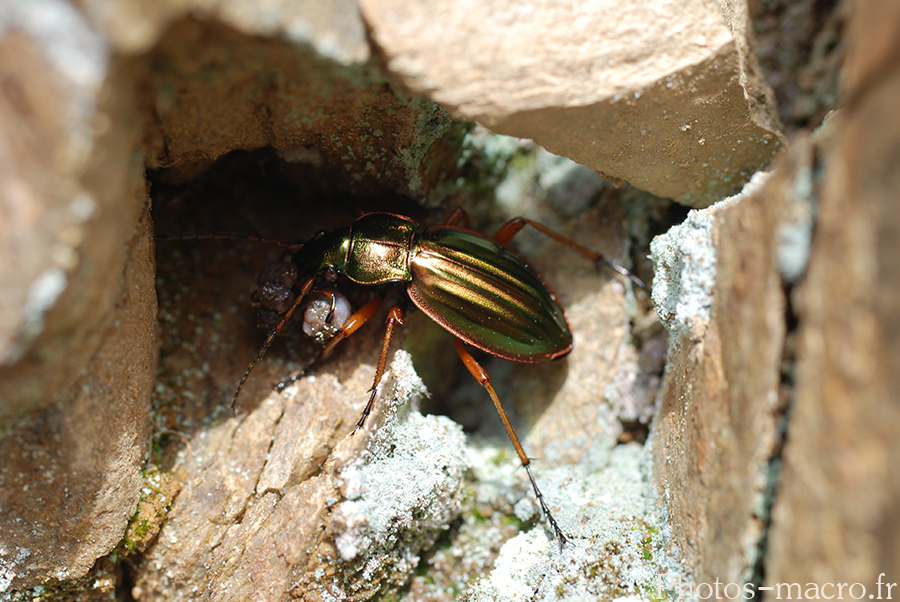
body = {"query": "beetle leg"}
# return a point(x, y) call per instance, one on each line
point(482, 377)
point(354, 322)
point(395, 316)
point(456, 216)
point(330, 317)
point(513, 226)
point(304, 290)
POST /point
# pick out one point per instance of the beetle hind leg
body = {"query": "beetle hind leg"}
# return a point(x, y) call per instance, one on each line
point(482, 377)
point(513, 226)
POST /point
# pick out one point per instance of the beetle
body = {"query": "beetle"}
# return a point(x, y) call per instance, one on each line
point(474, 286)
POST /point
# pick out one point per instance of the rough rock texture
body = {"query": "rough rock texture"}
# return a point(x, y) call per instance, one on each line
point(836, 515)
point(617, 545)
point(676, 110)
point(776, 444)
point(716, 423)
point(282, 500)
point(665, 96)
point(215, 89)
point(77, 304)
point(77, 307)
point(333, 29)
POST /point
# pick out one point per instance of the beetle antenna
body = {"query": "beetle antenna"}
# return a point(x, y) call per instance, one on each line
point(304, 290)
point(230, 236)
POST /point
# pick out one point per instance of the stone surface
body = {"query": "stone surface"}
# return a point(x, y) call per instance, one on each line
point(215, 90)
point(618, 548)
point(296, 76)
point(779, 416)
point(676, 114)
point(664, 96)
point(333, 29)
point(716, 427)
point(835, 519)
point(77, 349)
point(282, 500)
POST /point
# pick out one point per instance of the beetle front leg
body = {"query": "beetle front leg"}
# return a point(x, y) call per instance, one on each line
point(353, 323)
point(395, 316)
point(482, 377)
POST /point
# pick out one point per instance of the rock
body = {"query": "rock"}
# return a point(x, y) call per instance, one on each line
point(665, 96)
point(216, 90)
point(77, 308)
point(285, 500)
point(716, 428)
point(835, 518)
point(776, 441)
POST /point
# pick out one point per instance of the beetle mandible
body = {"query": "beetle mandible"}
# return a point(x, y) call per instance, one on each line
point(474, 286)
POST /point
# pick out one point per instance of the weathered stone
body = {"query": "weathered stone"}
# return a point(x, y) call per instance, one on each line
point(678, 110)
point(716, 429)
point(77, 350)
point(77, 309)
point(836, 519)
point(281, 499)
point(809, 464)
point(216, 90)
point(333, 29)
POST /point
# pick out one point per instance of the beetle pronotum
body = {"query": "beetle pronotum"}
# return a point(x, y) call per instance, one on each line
point(477, 288)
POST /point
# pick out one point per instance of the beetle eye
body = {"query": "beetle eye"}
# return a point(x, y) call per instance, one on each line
point(330, 274)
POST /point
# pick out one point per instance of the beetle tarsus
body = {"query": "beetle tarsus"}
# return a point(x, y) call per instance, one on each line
point(367, 411)
point(563, 540)
point(620, 270)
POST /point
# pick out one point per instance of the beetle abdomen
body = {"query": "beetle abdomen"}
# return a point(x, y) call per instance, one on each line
point(487, 295)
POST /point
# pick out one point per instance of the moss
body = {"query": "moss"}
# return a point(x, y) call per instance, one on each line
point(157, 494)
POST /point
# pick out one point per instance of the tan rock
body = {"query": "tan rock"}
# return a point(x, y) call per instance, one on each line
point(779, 419)
point(835, 518)
point(215, 90)
point(284, 500)
point(719, 291)
point(77, 308)
point(664, 96)
point(77, 303)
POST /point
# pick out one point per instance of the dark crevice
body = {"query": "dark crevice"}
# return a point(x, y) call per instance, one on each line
point(786, 392)
point(786, 396)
